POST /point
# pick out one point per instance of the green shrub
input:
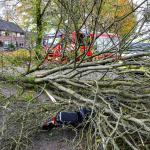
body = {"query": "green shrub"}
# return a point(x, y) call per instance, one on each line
point(11, 46)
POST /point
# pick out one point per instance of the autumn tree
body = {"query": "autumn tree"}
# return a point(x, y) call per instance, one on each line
point(115, 11)
point(34, 18)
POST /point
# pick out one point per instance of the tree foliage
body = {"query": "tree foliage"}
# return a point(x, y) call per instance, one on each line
point(34, 16)
point(114, 11)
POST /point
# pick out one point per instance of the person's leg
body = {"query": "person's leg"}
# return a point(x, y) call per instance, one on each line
point(85, 111)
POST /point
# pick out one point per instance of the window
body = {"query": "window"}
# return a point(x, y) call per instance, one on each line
point(1, 44)
point(2, 32)
point(13, 34)
point(18, 34)
point(21, 44)
point(22, 35)
point(6, 44)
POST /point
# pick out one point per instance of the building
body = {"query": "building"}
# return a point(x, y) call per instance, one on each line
point(11, 35)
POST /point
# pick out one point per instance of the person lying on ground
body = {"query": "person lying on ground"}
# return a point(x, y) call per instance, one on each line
point(67, 118)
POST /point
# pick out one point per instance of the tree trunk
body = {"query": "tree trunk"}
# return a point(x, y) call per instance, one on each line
point(39, 23)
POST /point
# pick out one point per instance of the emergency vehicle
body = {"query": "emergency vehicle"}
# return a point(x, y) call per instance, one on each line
point(64, 45)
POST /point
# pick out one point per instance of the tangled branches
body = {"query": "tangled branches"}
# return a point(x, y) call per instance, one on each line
point(118, 92)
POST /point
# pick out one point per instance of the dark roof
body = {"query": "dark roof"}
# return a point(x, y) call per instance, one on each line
point(10, 26)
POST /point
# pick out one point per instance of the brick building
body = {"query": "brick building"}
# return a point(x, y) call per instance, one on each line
point(11, 33)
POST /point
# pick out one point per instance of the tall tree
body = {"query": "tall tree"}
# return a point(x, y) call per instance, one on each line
point(34, 13)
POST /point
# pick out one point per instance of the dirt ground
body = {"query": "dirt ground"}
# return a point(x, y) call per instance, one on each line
point(55, 140)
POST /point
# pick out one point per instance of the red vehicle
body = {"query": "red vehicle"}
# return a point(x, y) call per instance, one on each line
point(105, 43)
point(92, 44)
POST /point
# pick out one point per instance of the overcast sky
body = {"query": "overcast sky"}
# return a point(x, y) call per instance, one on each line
point(134, 1)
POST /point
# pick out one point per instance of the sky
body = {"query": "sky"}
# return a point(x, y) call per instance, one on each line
point(11, 2)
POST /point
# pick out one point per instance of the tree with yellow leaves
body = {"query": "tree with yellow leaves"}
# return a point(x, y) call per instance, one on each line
point(120, 12)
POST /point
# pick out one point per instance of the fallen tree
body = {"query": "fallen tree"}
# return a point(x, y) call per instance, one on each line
point(119, 96)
